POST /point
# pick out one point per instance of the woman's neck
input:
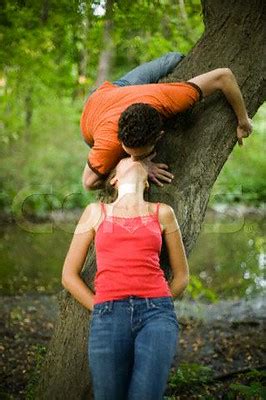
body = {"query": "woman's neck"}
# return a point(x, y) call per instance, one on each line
point(130, 194)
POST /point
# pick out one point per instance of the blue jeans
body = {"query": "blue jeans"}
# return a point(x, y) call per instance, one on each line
point(150, 72)
point(131, 347)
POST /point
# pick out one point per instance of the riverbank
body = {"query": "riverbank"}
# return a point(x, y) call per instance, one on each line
point(226, 337)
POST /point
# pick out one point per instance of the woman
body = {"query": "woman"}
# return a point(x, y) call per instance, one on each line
point(133, 328)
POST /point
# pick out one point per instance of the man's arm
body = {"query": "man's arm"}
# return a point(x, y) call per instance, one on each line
point(90, 180)
point(103, 157)
point(223, 79)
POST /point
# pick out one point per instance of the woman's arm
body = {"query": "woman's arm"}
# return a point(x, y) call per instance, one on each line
point(75, 258)
point(176, 250)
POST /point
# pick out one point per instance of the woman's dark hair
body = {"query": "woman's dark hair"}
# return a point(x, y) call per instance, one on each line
point(110, 190)
point(139, 124)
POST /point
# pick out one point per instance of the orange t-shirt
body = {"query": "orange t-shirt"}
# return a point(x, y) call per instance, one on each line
point(99, 120)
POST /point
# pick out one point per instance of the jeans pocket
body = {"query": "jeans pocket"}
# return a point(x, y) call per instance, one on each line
point(163, 304)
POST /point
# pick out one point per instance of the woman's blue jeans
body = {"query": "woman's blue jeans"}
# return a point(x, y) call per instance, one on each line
point(131, 347)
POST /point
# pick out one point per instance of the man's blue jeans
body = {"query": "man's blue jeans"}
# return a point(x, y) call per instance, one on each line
point(131, 347)
point(150, 72)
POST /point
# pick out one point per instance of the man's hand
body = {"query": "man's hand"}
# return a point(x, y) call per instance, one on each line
point(244, 129)
point(157, 171)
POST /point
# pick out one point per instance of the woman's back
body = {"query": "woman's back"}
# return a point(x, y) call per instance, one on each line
point(127, 256)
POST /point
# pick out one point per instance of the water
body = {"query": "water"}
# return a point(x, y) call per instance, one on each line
point(228, 261)
point(229, 258)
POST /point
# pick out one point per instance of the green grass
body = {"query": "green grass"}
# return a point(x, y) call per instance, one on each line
point(190, 379)
point(40, 352)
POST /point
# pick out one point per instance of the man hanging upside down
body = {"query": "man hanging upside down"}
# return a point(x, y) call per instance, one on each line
point(123, 118)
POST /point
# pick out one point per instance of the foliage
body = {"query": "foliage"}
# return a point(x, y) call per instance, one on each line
point(190, 375)
point(40, 352)
point(198, 291)
point(254, 389)
point(254, 392)
point(153, 28)
point(46, 175)
point(196, 378)
point(242, 178)
point(35, 58)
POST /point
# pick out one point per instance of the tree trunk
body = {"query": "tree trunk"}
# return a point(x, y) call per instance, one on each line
point(108, 46)
point(28, 110)
point(186, 25)
point(234, 37)
point(45, 11)
point(83, 54)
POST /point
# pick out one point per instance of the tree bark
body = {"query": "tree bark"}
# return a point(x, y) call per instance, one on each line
point(196, 152)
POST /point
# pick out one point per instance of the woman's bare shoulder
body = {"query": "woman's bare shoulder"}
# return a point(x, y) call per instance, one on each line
point(89, 218)
point(166, 211)
point(92, 208)
point(167, 218)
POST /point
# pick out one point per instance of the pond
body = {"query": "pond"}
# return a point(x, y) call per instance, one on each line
point(227, 262)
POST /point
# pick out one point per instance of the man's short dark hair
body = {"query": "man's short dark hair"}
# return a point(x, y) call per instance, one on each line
point(139, 124)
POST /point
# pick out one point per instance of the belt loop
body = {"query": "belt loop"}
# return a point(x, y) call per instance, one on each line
point(110, 305)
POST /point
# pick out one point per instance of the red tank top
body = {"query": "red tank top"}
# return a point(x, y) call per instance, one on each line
point(127, 258)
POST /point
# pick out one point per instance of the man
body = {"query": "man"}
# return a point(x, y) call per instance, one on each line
point(123, 118)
